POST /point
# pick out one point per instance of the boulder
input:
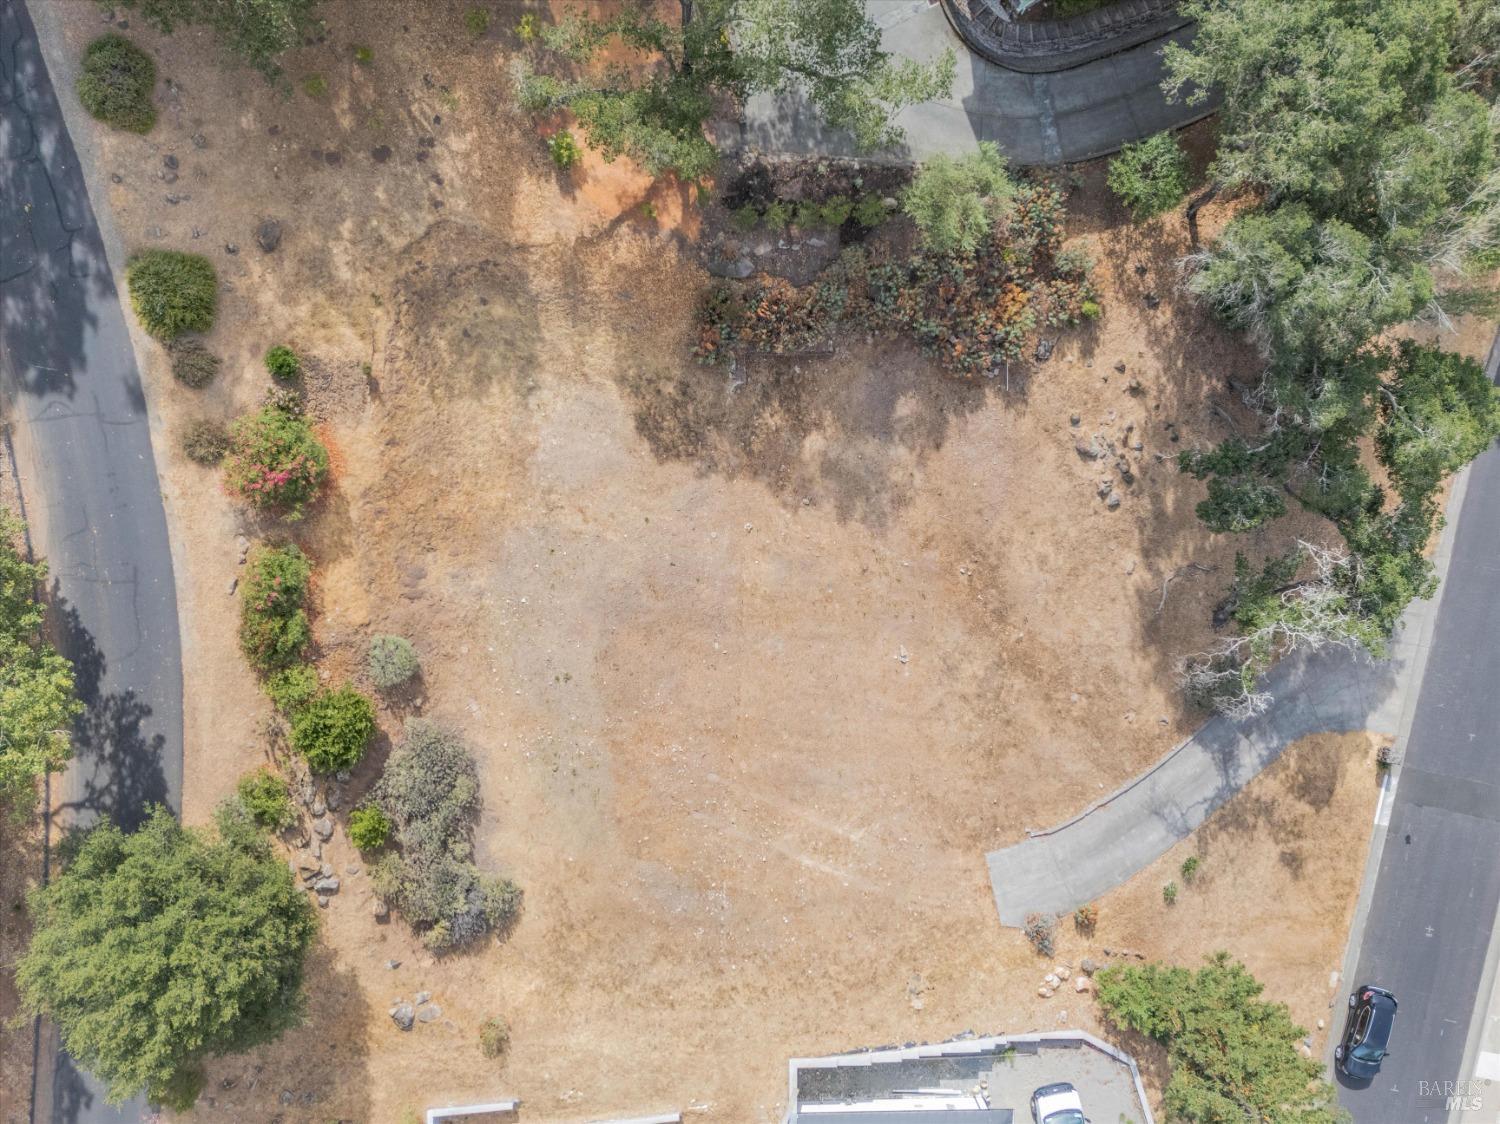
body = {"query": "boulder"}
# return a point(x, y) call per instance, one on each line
point(268, 235)
point(323, 828)
point(326, 885)
point(403, 1015)
point(429, 1013)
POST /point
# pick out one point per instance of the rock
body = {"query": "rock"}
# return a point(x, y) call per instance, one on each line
point(1133, 386)
point(1106, 487)
point(430, 1013)
point(403, 1015)
point(335, 800)
point(322, 901)
point(323, 828)
point(1044, 350)
point(318, 805)
point(326, 885)
point(1320, 1024)
point(1112, 500)
point(381, 153)
point(1062, 972)
point(268, 235)
point(287, 1096)
point(1120, 367)
point(173, 198)
point(199, 140)
point(325, 870)
point(1074, 419)
point(380, 910)
point(393, 964)
point(1088, 450)
point(242, 546)
point(1044, 991)
point(736, 270)
point(231, 248)
point(352, 869)
point(423, 997)
point(169, 161)
point(234, 584)
point(115, 177)
point(1152, 300)
point(1050, 979)
point(1088, 966)
point(342, 776)
point(1082, 983)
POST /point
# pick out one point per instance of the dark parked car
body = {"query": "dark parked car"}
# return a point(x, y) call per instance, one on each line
point(1372, 1013)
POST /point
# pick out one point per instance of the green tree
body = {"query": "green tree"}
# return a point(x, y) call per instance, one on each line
point(955, 201)
point(828, 50)
point(1233, 1054)
point(1438, 412)
point(156, 950)
point(257, 31)
point(37, 703)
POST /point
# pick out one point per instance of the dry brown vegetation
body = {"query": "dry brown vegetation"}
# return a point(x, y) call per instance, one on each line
point(756, 672)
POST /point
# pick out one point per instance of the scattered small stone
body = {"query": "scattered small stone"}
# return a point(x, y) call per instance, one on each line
point(173, 199)
point(1106, 487)
point(169, 177)
point(1044, 991)
point(115, 177)
point(430, 1013)
point(1112, 500)
point(234, 584)
point(1050, 979)
point(323, 828)
point(1152, 300)
point(242, 546)
point(381, 153)
point(423, 997)
point(1062, 972)
point(1074, 419)
point(199, 140)
point(1088, 450)
point(268, 235)
point(1088, 966)
point(393, 964)
point(170, 160)
point(322, 901)
point(231, 247)
point(1120, 367)
point(1082, 983)
point(287, 1096)
point(403, 1015)
point(1320, 1024)
point(108, 15)
point(1133, 386)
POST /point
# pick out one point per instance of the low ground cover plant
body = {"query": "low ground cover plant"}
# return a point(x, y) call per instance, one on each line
point(172, 292)
point(274, 629)
point(973, 311)
point(391, 661)
point(430, 792)
point(115, 83)
point(275, 461)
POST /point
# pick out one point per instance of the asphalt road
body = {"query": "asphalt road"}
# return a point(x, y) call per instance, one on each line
point(1438, 886)
point(71, 381)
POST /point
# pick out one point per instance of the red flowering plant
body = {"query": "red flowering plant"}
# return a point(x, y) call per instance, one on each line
point(275, 461)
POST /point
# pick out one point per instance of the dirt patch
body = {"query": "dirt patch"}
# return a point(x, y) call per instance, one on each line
point(756, 669)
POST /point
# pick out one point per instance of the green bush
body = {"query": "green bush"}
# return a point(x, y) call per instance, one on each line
point(430, 791)
point(172, 292)
point(870, 211)
point(1150, 176)
point(1169, 893)
point(193, 364)
point(836, 211)
point(292, 688)
point(364, 56)
point(369, 828)
point(266, 797)
point(115, 83)
point(205, 441)
point(477, 22)
point(391, 661)
point(564, 149)
point(955, 202)
point(283, 363)
point(274, 629)
point(777, 215)
point(494, 1037)
point(745, 218)
point(332, 730)
point(315, 85)
point(1190, 867)
point(275, 461)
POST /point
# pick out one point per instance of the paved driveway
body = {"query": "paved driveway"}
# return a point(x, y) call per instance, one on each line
point(71, 381)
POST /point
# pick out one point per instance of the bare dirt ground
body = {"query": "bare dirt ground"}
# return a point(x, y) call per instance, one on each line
point(755, 674)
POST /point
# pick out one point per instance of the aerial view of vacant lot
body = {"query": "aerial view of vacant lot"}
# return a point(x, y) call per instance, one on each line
point(545, 545)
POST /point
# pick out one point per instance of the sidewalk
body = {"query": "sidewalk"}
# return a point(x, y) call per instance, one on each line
point(1056, 118)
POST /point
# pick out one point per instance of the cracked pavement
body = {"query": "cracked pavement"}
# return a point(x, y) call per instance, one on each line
point(71, 383)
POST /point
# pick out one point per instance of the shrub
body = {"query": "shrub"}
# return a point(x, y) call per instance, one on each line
point(1086, 918)
point(836, 211)
point(315, 85)
point(1169, 893)
point(283, 363)
point(364, 56)
point(193, 364)
point(955, 202)
point(172, 292)
point(777, 215)
point(744, 218)
point(115, 84)
point(275, 461)
point(369, 828)
point(274, 630)
point(1150, 176)
point(494, 1036)
point(265, 796)
point(870, 211)
point(205, 441)
point(292, 688)
point(332, 730)
point(477, 22)
point(564, 149)
point(1041, 931)
point(391, 661)
point(1189, 868)
point(430, 791)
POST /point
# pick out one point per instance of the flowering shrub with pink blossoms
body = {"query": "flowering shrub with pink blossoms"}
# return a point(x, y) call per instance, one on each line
point(275, 461)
